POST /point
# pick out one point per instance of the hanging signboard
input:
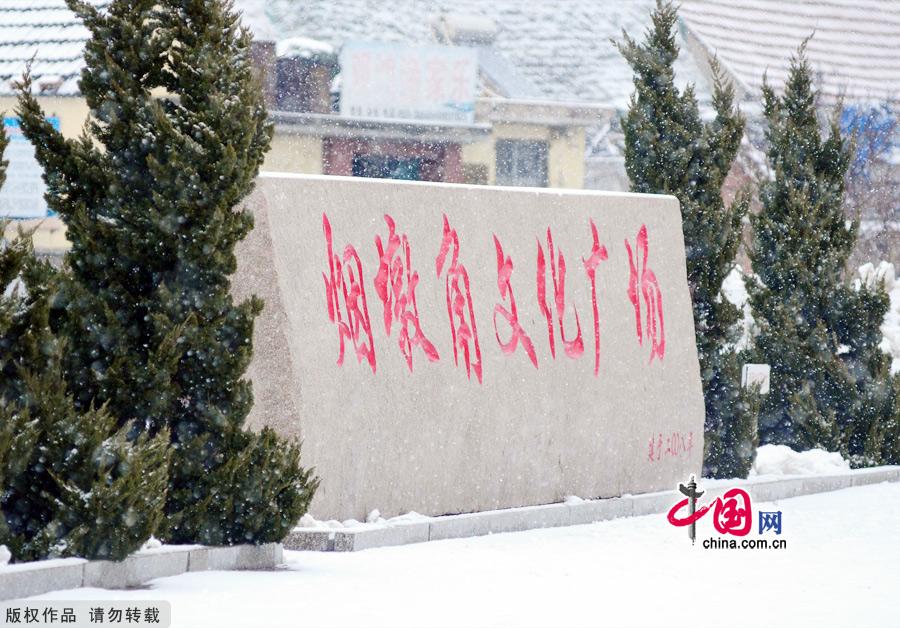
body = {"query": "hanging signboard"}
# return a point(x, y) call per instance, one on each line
point(406, 82)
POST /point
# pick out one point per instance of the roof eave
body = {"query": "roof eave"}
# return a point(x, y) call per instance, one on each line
point(332, 125)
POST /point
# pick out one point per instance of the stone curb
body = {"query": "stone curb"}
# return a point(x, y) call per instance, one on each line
point(27, 579)
point(564, 514)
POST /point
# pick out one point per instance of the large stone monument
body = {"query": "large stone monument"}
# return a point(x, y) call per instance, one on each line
point(444, 348)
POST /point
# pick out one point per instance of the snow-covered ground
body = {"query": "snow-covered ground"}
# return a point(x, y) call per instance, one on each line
point(839, 569)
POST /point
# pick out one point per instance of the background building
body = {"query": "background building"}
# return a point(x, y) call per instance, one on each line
point(543, 91)
point(853, 47)
point(357, 105)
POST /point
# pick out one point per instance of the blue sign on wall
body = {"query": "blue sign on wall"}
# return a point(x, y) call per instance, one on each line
point(22, 196)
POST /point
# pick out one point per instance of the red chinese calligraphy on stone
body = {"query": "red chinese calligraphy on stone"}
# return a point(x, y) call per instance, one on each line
point(346, 295)
point(460, 308)
point(574, 348)
point(395, 285)
point(643, 277)
point(598, 254)
point(676, 444)
point(511, 315)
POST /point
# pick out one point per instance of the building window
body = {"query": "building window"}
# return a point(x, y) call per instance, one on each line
point(522, 162)
point(383, 167)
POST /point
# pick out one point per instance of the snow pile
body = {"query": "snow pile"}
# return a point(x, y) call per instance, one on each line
point(308, 521)
point(373, 520)
point(5, 555)
point(735, 290)
point(782, 460)
point(374, 517)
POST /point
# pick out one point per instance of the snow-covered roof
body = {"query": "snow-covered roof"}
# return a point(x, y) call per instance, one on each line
point(561, 48)
point(555, 51)
point(47, 31)
point(854, 49)
point(303, 48)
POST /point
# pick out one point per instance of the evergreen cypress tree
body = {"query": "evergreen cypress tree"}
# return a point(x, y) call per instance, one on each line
point(18, 433)
point(177, 132)
point(670, 150)
point(71, 484)
point(831, 386)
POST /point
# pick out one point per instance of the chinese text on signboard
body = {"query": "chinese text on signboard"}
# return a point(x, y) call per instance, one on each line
point(429, 83)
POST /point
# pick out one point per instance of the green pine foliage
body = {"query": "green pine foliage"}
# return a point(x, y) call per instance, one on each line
point(112, 518)
point(670, 150)
point(890, 452)
point(177, 132)
point(71, 483)
point(831, 384)
point(18, 433)
point(267, 492)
